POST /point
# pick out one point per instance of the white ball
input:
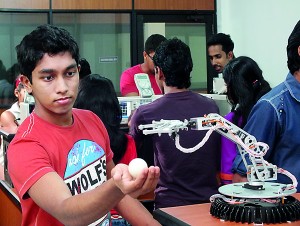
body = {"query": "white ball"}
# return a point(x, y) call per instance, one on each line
point(136, 166)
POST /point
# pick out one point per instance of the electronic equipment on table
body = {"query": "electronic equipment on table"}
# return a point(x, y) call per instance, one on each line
point(221, 101)
point(129, 104)
point(143, 84)
point(257, 201)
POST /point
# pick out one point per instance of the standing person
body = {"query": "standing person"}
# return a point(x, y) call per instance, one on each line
point(275, 120)
point(60, 160)
point(97, 94)
point(127, 83)
point(220, 51)
point(245, 85)
point(185, 178)
point(10, 119)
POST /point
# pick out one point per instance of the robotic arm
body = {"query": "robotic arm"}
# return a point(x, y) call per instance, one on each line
point(258, 200)
point(258, 171)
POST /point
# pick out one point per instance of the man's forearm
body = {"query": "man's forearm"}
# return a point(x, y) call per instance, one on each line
point(92, 205)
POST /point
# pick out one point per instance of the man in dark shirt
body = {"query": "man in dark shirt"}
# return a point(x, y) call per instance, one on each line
point(186, 178)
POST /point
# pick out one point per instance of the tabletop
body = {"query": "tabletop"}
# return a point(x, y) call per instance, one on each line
point(198, 215)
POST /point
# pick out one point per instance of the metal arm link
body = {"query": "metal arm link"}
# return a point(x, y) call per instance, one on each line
point(258, 171)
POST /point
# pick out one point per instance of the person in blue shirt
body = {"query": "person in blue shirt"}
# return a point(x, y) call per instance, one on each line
point(275, 119)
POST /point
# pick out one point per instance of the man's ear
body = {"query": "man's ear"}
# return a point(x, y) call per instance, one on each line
point(160, 74)
point(144, 54)
point(299, 50)
point(230, 55)
point(25, 81)
point(16, 92)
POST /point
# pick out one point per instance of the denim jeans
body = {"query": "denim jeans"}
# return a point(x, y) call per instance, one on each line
point(119, 222)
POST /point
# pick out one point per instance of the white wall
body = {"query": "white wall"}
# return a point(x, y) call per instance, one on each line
point(260, 30)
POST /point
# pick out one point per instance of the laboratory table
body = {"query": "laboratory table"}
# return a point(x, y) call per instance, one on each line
point(199, 215)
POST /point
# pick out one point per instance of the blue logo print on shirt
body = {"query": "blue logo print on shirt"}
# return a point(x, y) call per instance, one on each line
point(86, 167)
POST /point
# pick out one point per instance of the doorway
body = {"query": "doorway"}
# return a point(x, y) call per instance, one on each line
point(193, 28)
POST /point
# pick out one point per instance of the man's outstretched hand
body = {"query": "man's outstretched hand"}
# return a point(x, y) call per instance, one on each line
point(144, 183)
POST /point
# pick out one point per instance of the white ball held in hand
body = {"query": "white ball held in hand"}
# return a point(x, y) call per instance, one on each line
point(136, 166)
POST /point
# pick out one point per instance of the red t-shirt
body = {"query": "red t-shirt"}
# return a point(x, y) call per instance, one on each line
point(78, 153)
point(127, 83)
point(130, 151)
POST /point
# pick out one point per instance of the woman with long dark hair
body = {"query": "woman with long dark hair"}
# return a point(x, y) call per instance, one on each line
point(97, 94)
point(245, 86)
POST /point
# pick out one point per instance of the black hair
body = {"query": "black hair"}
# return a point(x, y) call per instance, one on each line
point(44, 39)
point(85, 68)
point(245, 85)
point(3, 74)
point(13, 73)
point(97, 94)
point(223, 40)
point(293, 61)
point(153, 42)
point(174, 59)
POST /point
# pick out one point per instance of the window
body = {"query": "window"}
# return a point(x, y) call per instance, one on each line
point(13, 27)
point(103, 39)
